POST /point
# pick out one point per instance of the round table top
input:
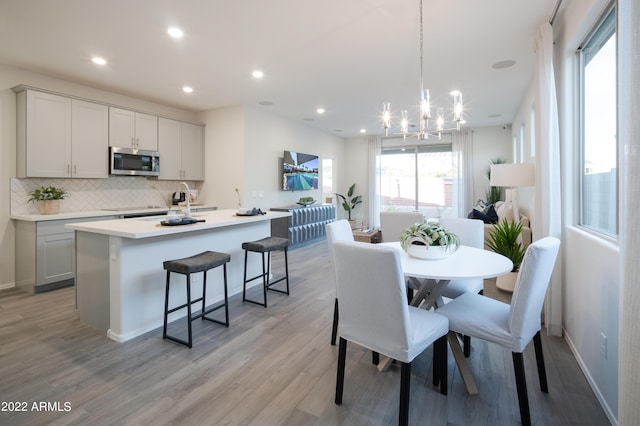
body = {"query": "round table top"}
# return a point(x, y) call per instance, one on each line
point(464, 263)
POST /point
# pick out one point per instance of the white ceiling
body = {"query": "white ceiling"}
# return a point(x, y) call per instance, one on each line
point(347, 56)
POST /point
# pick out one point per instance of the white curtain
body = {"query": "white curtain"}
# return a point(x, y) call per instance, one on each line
point(375, 150)
point(548, 205)
point(629, 154)
point(462, 147)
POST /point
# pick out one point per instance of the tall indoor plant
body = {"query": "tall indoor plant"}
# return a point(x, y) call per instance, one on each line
point(505, 240)
point(350, 202)
point(494, 193)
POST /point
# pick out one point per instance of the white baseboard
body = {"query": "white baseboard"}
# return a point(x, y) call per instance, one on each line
point(7, 285)
point(592, 383)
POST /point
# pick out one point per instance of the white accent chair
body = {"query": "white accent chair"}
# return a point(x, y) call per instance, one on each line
point(339, 230)
point(471, 233)
point(393, 223)
point(375, 314)
point(512, 326)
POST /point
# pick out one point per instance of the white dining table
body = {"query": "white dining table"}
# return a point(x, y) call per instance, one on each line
point(430, 277)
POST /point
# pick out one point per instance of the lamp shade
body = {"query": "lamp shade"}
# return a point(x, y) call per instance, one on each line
point(512, 175)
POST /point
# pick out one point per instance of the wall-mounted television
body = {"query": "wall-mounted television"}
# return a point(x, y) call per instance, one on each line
point(299, 171)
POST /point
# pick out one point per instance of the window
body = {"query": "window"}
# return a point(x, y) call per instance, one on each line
point(417, 178)
point(598, 165)
point(532, 133)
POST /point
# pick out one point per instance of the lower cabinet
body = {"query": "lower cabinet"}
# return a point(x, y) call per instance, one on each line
point(305, 223)
point(45, 254)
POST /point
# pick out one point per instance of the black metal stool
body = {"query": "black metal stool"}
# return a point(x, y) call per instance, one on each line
point(199, 263)
point(265, 245)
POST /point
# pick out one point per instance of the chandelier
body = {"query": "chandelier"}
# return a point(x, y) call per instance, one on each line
point(426, 128)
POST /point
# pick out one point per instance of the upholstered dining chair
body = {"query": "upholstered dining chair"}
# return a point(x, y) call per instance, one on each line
point(393, 223)
point(338, 230)
point(512, 326)
point(471, 233)
point(374, 313)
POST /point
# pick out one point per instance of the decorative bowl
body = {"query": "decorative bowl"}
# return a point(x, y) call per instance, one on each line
point(305, 203)
point(427, 252)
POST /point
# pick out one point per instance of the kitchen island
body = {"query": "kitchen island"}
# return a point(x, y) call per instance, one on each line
point(120, 281)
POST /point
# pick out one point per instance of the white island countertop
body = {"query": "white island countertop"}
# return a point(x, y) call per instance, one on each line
point(147, 227)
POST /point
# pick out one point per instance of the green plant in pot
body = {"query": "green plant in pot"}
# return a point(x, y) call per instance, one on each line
point(428, 241)
point(504, 239)
point(350, 202)
point(494, 193)
point(48, 198)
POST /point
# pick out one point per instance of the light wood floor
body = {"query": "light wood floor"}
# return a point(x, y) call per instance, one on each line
point(272, 366)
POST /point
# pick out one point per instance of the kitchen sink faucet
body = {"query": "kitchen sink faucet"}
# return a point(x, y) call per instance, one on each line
point(187, 199)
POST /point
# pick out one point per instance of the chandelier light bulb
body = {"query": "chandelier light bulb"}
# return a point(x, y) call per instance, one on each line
point(425, 104)
point(386, 117)
point(404, 123)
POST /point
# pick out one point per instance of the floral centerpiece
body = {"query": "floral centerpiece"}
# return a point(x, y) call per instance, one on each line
point(428, 241)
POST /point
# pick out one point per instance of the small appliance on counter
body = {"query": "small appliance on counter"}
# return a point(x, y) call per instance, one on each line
point(178, 197)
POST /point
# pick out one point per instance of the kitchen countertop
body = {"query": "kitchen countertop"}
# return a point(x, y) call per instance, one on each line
point(146, 227)
point(97, 213)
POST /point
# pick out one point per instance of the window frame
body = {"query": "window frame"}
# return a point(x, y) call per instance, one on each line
point(595, 32)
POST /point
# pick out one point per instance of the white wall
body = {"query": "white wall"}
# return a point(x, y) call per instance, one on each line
point(354, 168)
point(591, 273)
point(244, 148)
point(10, 77)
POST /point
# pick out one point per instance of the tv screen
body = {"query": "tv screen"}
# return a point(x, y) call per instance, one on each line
point(299, 171)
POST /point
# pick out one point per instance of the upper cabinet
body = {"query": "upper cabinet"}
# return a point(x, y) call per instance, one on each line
point(60, 137)
point(181, 147)
point(132, 129)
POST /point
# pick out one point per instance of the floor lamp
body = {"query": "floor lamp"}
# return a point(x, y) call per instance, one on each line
point(512, 176)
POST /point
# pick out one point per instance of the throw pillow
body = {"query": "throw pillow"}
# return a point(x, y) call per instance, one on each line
point(476, 214)
point(490, 212)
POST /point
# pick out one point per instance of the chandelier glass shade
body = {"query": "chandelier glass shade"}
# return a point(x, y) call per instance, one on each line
point(428, 125)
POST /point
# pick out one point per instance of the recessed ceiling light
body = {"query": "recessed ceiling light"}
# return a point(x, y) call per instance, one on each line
point(503, 64)
point(494, 115)
point(98, 60)
point(257, 74)
point(309, 119)
point(320, 110)
point(338, 130)
point(266, 103)
point(363, 130)
point(187, 89)
point(175, 32)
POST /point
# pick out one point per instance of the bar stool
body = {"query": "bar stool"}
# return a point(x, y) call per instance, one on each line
point(265, 245)
point(198, 263)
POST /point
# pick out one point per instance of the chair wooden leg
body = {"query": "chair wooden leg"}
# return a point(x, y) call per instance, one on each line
point(405, 392)
point(466, 344)
point(334, 331)
point(436, 365)
point(542, 372)
point(375, 358)
point(521, 385)
point(342, 356)
point(440, 346)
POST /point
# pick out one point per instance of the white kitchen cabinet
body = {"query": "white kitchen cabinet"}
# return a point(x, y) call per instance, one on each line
point(181, 147)
point(46, 253)
point(89, 139)
point(130, 129)
point(60, 137)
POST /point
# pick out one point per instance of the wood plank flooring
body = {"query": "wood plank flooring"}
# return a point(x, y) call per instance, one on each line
point(273, 366)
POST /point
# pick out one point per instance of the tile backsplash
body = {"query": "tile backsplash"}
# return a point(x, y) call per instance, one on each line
point(96, 194)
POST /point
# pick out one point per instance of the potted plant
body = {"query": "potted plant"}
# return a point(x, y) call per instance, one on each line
point(428, 241)
point(48, 198)
point(505, 240)
point(350, 202)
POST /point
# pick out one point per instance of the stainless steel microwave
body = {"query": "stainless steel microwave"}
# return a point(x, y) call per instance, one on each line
point(133, 162)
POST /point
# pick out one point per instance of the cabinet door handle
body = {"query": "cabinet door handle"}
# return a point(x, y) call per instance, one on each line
point(133, 142)
point(137, 142)
point(68, 170)
point(75, 170)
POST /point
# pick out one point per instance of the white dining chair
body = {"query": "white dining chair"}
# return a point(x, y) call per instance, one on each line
point(393, 223)
point(338, 230)
point(471, 233)
point(512, 326)
point(374, 313)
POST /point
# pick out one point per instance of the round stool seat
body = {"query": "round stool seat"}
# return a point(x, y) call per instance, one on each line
point(197, 263)
point(266, 244)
